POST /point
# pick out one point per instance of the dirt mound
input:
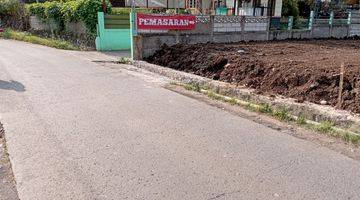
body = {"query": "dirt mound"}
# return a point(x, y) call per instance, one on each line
point(305, 70)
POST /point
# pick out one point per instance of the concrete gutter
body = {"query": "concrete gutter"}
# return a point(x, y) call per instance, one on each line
point(310, 111)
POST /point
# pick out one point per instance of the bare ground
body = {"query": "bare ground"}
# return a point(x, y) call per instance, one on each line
point(304, 70)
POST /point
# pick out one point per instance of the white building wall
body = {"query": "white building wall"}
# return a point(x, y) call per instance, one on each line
point(264, 3)
point(206, 4)
point(158, 3)
point(278, 8)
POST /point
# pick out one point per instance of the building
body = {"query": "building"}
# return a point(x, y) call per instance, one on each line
point(218, 7)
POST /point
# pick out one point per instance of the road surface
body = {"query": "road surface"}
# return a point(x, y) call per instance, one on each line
point(77, 129)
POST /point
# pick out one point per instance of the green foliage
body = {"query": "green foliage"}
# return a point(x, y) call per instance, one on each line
point(325, 127)
point(283, 114)
point(9, 7)
point(52, 10)
point(69, 11)
point(124, 60)
point(232, 101)
point(36, 9)
point(301, 120)
point(355, 139)
point(27, 37)
point(265, 108)
point(215, 96)
point(305, 8)
point(12, 14)
point(193, 86)
point(88, 12)
point(290, 8)
point(122, 11)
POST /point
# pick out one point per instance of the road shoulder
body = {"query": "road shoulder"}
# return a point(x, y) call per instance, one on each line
point(7, 183)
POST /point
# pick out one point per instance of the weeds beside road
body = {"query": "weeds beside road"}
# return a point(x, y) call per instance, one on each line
point(283, 114)
point(28, 37)
point(7, 183)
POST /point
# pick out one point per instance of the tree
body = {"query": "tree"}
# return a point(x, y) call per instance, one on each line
point(290, 8)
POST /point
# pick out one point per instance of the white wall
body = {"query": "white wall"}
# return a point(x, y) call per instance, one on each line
point(158, 3)
point(278, 7)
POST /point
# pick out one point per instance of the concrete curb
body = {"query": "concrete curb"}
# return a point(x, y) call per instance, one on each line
point(310, 111)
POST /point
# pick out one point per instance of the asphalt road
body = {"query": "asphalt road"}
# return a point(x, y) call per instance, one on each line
point(76, 129)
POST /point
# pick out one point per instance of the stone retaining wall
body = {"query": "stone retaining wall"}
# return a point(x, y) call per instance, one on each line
point(75, 28)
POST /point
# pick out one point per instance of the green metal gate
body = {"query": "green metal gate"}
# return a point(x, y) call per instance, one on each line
point(113, 32)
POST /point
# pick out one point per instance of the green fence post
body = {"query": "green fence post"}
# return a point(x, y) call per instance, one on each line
point(133, 32)
point(331, 20)
point(349, 18)
point(100, 31)
point(101, 23)
point(311, 20)
point(290, 23)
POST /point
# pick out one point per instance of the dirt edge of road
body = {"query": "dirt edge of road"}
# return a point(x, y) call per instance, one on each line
point(310, 111)
point(8, 189)
point(335, 144)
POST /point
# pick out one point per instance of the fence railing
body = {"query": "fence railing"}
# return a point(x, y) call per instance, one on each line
point(253, 11)
point(289, 23)
point(236, 23)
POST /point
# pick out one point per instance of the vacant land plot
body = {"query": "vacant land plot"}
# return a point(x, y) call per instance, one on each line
point(304, 70)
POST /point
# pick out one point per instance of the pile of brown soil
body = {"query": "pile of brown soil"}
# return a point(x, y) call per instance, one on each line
point(304, 70)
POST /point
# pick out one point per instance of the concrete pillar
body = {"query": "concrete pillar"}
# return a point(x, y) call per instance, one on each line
point(349, 24)
point(349, 18)
point(290, 23)
point(331, 19)
point(311, 20)
point(133, 33)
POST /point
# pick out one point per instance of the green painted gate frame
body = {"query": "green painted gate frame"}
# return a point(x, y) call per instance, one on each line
point(111, 39)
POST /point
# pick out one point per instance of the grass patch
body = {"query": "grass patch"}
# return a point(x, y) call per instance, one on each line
point(325, 127)
point(215, 96)
point(301, 120)
point(251, 107)
point(192, 86)
point(283, 114)
point(355, 139)
point(124, 60)
point(265, 108)
point(231, 101)
point(28, 37)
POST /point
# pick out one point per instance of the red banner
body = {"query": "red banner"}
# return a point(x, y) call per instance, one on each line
point(163, 22)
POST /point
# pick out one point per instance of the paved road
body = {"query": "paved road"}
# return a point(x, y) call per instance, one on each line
point(78, 130)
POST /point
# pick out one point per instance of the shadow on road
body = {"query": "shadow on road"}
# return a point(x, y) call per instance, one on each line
point(12, 85)
point(118, 54)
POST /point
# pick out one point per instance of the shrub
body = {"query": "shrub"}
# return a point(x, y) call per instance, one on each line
point(88, 11)
point(290, 8)
point(12, 13)
point(126, 11)
point(46, 10)
point(70, 11)
point(8, 7)
point(36, 9)
point(52, 10)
